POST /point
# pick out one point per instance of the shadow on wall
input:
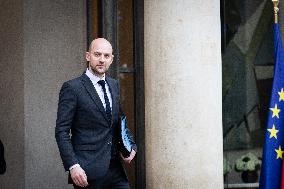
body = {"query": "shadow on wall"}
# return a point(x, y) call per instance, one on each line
point(2, 159)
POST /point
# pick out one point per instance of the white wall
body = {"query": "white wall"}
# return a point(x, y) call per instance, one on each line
point(42, 44)
point(11, 92)
point(55, 44)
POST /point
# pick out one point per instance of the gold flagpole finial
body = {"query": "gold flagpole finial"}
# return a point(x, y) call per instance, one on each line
point(276, 10)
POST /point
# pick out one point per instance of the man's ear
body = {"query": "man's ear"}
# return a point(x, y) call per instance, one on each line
point(88, 56)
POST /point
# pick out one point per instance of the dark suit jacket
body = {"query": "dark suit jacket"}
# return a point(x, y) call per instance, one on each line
point(81, 111)
point(2, 159)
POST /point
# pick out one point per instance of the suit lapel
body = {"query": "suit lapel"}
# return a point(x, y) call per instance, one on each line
point(114, 92)
point(93, 93)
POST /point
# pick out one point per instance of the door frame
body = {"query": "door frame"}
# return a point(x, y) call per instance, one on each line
point(107, 28)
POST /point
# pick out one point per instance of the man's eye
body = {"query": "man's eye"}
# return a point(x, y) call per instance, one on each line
point(97, 54)
point(107, 56)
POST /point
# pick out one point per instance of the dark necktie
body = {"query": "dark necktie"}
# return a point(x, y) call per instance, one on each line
point(108, 110)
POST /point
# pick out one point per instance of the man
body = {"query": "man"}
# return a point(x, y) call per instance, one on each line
point(89, 109)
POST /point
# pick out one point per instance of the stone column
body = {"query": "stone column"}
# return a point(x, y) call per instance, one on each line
point(43, 45)
point(183, 95)
point(55, 45)
point(12, 130)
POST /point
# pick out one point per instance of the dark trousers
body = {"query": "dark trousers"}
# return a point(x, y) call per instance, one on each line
point(114, 179)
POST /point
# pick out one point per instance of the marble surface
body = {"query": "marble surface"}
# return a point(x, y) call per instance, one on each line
point(183, 95)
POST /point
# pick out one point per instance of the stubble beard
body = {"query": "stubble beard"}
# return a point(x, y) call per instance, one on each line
point(98, 72)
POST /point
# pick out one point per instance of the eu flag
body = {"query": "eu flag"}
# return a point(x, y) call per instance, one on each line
point(273, 149)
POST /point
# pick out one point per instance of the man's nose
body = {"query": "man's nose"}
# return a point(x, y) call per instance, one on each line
point(102, 58)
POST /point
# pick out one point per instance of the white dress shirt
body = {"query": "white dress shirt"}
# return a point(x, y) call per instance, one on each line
point(99, 88)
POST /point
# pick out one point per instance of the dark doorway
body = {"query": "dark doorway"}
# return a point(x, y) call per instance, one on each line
point(121, 22)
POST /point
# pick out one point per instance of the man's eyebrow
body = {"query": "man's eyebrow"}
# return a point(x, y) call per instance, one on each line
point(102, 53)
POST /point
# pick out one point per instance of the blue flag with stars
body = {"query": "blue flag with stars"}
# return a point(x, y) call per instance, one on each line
point(271, 169)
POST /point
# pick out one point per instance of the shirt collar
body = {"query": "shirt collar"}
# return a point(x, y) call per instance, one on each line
point(93, 77)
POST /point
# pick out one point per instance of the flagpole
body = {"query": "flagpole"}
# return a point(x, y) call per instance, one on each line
point(276, 10)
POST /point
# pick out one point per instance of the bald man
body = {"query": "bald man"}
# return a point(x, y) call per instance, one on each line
point(89, 110)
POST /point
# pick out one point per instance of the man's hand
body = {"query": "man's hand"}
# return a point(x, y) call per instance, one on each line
point(79, 176)
point(128, 159)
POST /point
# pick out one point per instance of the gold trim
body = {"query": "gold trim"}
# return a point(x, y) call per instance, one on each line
point(276, 10)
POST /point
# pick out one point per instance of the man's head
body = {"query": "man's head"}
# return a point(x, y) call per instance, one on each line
point(99, 56)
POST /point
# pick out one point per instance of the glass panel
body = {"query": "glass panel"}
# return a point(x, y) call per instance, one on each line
point(127, 101)
point(93, 19)
point(125, 55)
point(125, 33)
point(247, 64)
point(125, 50)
